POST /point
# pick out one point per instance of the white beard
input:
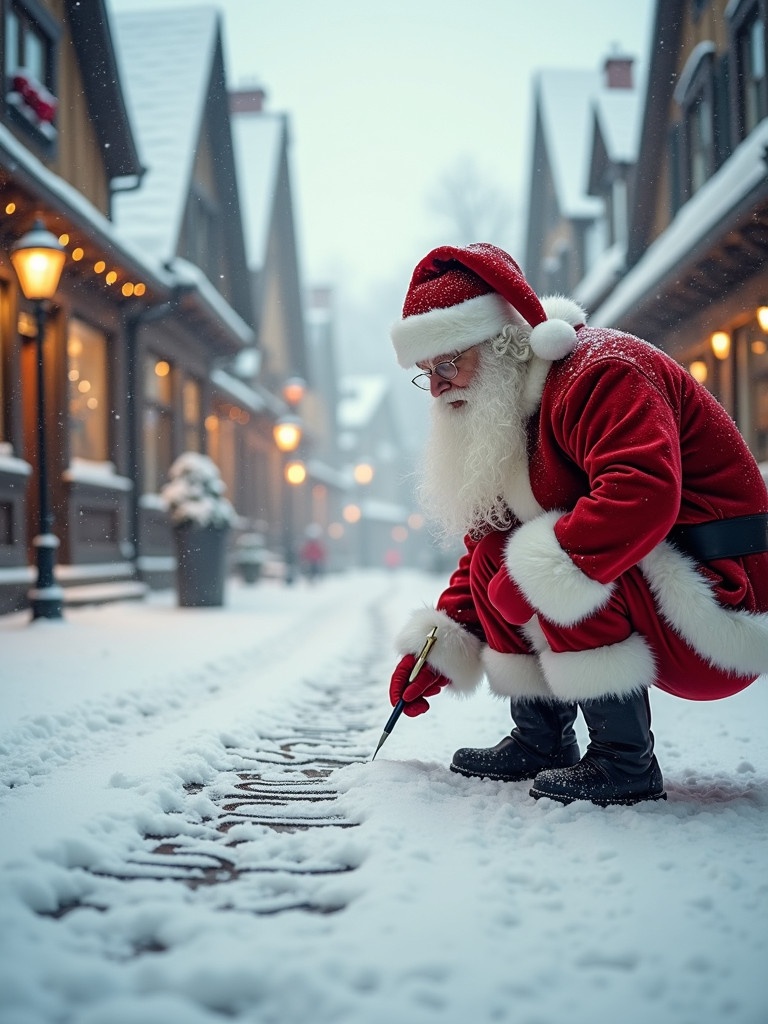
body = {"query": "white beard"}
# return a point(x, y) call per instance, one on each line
point(474, 474)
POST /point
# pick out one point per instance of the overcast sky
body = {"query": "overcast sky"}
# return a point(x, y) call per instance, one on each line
point(386, 99)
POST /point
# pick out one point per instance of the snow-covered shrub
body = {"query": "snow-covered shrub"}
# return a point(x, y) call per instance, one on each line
point(194, 494)
point(250, 548)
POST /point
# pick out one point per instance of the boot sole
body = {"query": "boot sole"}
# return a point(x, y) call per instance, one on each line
point(492, 775)
point(628, 801)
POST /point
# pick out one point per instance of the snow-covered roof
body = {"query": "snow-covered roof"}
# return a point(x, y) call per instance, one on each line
point(618, 113)
point(165, 56)
point(710, 206)
point(77, 206)
point(601, 276)
point(565, 98)
point(361, 396)
point(259, 139)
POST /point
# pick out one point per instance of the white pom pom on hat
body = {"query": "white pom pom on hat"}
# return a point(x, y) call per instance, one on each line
point(460, 296)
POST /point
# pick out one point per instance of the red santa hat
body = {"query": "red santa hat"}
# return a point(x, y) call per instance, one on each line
point(459, 297)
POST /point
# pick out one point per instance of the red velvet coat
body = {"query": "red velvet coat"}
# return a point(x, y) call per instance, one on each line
point(624, 445)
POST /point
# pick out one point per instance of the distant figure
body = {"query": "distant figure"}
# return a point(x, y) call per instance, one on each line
point(312, 554)
point(392, 558)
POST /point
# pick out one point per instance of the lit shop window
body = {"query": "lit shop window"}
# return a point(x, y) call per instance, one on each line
point(4, 355)
point(191, 404)
point(88, 391)
point(157, 422)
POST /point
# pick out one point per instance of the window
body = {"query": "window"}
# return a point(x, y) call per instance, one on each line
point(700, 142)
point(88, 392)
point(694, 146)
point(222, 448)
point(750, 53)
point(4, 358)
point(157, 422)
point(190, 401)
point(757, 377)
point(31, 35)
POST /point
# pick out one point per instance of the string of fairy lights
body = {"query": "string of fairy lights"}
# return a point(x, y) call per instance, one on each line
point(100, 267)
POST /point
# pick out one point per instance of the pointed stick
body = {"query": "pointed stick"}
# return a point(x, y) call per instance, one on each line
point(398, 709)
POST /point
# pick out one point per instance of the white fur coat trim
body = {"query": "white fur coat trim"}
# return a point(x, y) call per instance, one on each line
point(515, 675)
point(456, 654)
point(553, 584)
point(616, 670)
point(733, 640)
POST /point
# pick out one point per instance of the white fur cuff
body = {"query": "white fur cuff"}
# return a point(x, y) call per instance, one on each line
point(616, 670)
point(456, 654)
point(553, 584)
point(515, 675)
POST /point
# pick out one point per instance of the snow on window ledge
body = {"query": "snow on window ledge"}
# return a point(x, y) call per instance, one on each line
point(10, 464)
point(97, 474)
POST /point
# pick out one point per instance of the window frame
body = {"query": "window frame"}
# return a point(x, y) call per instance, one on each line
point(696, 93)
point(33, 18)
point(745, 12)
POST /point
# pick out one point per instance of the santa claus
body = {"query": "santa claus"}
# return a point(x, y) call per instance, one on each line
point(615, 526)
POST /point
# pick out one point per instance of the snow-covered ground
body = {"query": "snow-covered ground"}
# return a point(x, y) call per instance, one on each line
point(156, 764)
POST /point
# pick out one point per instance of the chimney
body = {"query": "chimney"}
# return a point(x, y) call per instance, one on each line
point(247, 101)
point(617, 71)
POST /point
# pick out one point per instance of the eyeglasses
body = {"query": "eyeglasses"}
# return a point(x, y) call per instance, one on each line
point(446, 370)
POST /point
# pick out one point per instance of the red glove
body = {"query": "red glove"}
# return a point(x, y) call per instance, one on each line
point(427, 683)
point(507, 598)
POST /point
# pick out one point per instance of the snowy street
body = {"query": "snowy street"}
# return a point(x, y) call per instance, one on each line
point(192, 832)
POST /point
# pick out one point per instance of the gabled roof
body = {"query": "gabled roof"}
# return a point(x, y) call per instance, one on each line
point(617, 117)
point(564, 102)
point(260, 141)
point(166, 58)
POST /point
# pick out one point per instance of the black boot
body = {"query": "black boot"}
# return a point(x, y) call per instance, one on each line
point(619, 766)
point(543, 738)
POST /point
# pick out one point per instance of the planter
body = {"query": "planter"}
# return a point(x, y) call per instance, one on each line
point(250, 571)
point(201, 565)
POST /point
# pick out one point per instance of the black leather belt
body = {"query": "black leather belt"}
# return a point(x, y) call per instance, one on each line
point(723, 538)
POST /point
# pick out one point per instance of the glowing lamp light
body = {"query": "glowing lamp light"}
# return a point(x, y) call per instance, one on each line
point(293, 390)
point(399, 534)
point(351, 513)
point(287, 433)
point(721, 344)
point(762, 318)
point(38, 259)
point(295, 473)
point(363, 473)
point(699, 371)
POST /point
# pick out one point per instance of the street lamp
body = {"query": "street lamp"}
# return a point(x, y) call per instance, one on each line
point(294, 390)
point(38, 259)
point(287, 433)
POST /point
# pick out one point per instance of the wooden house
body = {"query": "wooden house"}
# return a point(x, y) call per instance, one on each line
point(155, 297)
point(696, 278)
point(582, 153)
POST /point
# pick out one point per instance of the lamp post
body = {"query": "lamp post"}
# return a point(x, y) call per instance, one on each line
point(287, 433)
point(38, 259)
